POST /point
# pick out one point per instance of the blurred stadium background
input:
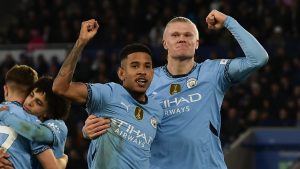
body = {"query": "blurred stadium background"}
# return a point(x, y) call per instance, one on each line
point(260, 117)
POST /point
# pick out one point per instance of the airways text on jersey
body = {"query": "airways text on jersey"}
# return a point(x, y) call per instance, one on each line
point(181, 104)
point(130, 133)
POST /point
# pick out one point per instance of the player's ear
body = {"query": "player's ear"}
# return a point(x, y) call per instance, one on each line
point(197, 43)
point(164, 44)
point(5, 91)
point(121, 74)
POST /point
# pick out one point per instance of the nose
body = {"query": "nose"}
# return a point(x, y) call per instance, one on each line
point(30, 103)
point(142, 70)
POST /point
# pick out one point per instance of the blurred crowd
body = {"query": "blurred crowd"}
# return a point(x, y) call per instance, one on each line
point(271, 97)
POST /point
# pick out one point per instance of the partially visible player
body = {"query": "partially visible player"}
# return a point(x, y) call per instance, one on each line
point(51, 109)
point(18, 82)
point(134, 115)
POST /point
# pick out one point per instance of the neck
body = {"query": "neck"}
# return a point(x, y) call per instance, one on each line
point(140, 97)
point(16, 99)
point(180, 67)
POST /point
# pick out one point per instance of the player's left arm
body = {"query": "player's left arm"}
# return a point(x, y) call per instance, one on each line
point(33, 131)
point(256, 55)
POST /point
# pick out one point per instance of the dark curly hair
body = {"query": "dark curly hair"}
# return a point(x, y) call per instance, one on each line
point(58, 106)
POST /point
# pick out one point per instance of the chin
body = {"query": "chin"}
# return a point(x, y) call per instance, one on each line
point(141, 90)
point(183, 56)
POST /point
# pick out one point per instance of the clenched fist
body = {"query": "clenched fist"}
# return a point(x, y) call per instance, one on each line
point(88, 31)
point(215, 20)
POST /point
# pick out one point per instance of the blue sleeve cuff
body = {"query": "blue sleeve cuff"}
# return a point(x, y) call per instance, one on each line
point(228, 21)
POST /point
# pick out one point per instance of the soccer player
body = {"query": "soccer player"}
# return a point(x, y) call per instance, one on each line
point(51, 109)
point(18, 82)
point(191, 93)
point(134, 116)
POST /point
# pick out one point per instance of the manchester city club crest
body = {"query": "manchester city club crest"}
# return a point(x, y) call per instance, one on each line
point(191, 82)
point(175, 88)
point(153, 122)
point(139, 113)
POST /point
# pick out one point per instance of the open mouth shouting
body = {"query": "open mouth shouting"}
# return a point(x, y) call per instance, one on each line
point(142, 81)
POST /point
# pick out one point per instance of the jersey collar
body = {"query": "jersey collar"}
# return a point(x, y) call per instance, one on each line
point(178, 76)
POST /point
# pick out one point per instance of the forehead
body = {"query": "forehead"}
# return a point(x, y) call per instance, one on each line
point(40, 94)
point(139, 57)
point(181, 27)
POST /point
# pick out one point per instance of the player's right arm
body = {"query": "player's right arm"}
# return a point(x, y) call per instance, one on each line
point(63, 85)
point(33, 131)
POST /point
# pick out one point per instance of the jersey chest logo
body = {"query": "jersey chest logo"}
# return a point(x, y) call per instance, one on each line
point(175, 88)
point(191, 83)
point(139, 113)
point(153, 122)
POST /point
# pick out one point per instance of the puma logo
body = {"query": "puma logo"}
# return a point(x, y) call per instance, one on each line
point(126, 106)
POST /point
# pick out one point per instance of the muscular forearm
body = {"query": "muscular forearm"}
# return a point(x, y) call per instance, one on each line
point(256, 55)
point(32, 131)
point(66, 72)
point(63, 85)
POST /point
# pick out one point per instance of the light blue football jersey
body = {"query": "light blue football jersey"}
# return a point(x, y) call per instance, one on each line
point(19, 148)
point(133, 127)
point(188, 136)
point(91, 153)
point(60, 132)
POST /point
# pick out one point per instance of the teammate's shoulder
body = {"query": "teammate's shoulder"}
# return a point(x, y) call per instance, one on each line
point(155, 105)
point(111, 85)
point(216, 61)
point(159, 71)
point(11, 104)
point(55, 121)
point(56, 125)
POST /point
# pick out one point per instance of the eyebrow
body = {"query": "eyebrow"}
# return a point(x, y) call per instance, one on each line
point(134, 62)
point(177, 32)
point(138, 62)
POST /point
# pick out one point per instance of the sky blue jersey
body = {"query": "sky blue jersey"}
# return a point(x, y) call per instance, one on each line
point(133, 127)
point(49, 134)
point(59, 131)
point(19, 148)
point(188, 136)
